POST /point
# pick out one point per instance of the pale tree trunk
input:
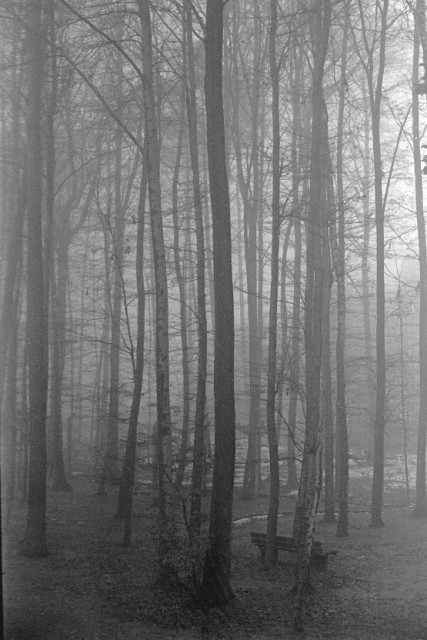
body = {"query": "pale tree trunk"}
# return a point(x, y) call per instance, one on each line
point(375, 86)
point(420, 37)
point(250, 198)
point(309, 489)
point(294, 365)
point(35, 537)
point(369, 411)
point(58, 297)
point(273, 507)
point(183, 311)
point(339, 263)
point(216, 573)
point(152, 142)
point(326, 391)
point(110, 469)
point(127, 481)
point(282, 382)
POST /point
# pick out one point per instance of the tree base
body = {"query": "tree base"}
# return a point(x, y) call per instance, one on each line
point(31, 548)
point(62, 486)
point(215, 590)
point(328, 518)
point(420, 511)
point(376, 523)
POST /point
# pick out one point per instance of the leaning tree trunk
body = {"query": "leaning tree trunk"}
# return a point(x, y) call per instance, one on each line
point(216, 573)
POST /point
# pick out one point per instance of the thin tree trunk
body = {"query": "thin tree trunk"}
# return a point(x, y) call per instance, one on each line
point(161, 285)
point(111, 471)
point(375, 97)
point(183, 312)
point(308, 495)
point(294, 365)
point(125, 498)
point(420, 37)
point(273, 507)
point(35, 537)
point(199, 427)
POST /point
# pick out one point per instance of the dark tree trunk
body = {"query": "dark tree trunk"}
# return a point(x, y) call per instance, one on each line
point(216, 573)
point(273, 507)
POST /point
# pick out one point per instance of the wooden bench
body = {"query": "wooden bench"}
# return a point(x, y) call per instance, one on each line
point(319, 557)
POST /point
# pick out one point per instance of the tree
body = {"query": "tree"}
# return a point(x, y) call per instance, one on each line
point(124, 503)
point(199, 426)
point(420, 38)
point(308, 495)
point(375, 92)
point(339, 263)
point(270, 548)
point(152, 142)
point(216, 573)
point(35, 537)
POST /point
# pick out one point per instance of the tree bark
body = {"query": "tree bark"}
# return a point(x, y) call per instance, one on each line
point(216, 573)
point(35, 537)
point(163, 449)
point(202, 330)
point(420, 37)
point(127, 481)
point(308, 494)
point(273, 507)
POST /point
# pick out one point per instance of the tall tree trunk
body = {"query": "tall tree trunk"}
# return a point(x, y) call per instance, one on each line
point(202, 331)
point(326, 391)
point(183, 311)
point(375, 98)
point(217, 567)
point(152, 142)
point(124, 503)
point(273, 507)
point(309, 489)
point(294, 366)
point(369, 411)
point(35, 536)
point(339, 254)
point(110, 470)
point(58, 296)
point(420, 37)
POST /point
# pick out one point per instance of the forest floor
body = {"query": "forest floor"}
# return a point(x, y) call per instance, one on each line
point(92, 588)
